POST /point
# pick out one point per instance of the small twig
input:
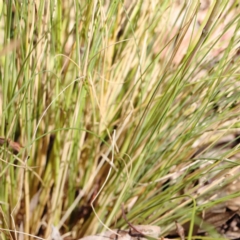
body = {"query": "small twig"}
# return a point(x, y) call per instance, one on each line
point(130, 225)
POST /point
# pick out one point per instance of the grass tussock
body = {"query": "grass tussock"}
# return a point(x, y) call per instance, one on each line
point(106, 103)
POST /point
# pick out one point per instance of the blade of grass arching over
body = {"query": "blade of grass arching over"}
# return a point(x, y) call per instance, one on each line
point(164, 101)
point(119, 201)
point(117, 102)
point(205, 31)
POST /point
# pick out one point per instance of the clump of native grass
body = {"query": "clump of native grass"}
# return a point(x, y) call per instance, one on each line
point(116, 103)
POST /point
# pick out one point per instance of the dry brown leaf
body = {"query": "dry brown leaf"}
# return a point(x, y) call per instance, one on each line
point(180, 230)
point(14, 146)
point(147, 230)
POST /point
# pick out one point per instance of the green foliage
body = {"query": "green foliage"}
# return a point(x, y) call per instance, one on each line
point(116, 102)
